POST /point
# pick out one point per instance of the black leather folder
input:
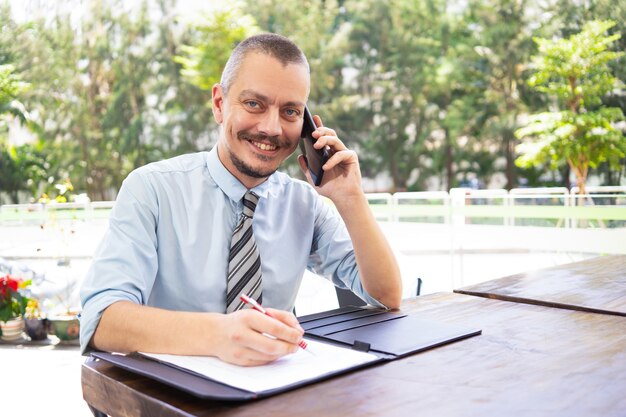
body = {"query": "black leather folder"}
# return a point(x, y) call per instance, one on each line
point(386, 334)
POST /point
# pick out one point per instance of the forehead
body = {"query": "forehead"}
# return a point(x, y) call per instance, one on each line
point(267, 76)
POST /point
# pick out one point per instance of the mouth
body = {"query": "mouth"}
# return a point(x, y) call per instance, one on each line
point(268, 147)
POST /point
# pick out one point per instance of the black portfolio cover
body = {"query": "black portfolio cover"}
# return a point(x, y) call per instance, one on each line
point(386, 334)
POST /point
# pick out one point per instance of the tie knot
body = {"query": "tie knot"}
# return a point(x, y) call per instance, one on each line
point(250, 199)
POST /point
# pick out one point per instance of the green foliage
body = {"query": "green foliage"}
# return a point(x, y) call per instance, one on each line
point(106, 95)
point(575, 71)
point(503, 47)
point(587, 138)
point(429, 93)
point(11, 87)
point(12, 302)
point(22, 168)
point(215, 36)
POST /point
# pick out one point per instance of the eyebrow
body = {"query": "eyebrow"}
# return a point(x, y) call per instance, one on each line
point(262, 97)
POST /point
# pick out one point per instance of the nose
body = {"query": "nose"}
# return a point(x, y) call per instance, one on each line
point(270, 123)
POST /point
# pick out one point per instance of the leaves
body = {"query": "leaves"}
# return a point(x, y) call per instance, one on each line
point(12, 302)
point(215, 36)
point(429, 93)
point(575, 71)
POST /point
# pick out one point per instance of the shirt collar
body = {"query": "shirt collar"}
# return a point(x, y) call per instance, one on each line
point(227, 182)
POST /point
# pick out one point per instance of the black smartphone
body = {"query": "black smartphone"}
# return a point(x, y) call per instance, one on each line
point(315, 158)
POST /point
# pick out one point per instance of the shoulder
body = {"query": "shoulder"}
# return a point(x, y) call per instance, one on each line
point(169, 175)
point(176, 167)
point(179, 164)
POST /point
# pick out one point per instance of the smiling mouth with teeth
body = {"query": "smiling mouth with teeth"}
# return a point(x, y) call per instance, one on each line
point(264, 146)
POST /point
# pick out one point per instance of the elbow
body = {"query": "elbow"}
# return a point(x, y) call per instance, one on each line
point(392, 297)
point(393, 302)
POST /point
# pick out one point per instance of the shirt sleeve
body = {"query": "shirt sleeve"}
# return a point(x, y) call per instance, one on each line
point(332, 253)
point(125, 264)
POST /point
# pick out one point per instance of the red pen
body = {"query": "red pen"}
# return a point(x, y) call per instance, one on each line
point(260, 309)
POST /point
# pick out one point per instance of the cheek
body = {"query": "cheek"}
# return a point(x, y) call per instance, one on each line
point(293, 134)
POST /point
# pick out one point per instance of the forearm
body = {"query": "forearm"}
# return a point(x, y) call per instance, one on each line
point(378, 268)
point(127, 327)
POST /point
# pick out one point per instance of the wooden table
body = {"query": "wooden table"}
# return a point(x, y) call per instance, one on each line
point(595, 285)
point(530, 361)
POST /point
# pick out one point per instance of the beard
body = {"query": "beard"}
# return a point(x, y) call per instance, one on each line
point(246, 168)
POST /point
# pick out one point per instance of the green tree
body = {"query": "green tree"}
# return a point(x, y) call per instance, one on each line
point(16, 163)
point(105, 93)
point(504, 45)
point(214, 39)
point(385, 108)
point(21, 169)
point(575, 72)
point(568, 18)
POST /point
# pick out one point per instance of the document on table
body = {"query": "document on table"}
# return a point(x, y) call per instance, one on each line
point(297, 367)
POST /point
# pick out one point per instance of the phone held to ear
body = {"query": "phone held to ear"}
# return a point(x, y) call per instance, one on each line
point(315, 158)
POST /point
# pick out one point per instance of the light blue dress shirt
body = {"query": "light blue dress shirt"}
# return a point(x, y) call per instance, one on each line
point(169, 236)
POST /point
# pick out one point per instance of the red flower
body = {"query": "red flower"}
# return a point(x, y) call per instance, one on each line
point(12, 302)
point(8, 283)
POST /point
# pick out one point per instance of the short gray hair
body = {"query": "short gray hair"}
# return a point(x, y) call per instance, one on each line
point(276, 46)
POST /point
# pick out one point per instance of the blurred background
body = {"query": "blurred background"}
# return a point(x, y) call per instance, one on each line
point(490, 133)
point(430, 93)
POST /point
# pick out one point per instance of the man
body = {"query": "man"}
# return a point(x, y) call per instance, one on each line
point(160, 280)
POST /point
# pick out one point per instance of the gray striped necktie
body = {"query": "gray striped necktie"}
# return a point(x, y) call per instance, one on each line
point(244, 262)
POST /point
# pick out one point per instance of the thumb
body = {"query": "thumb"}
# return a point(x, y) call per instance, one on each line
point(305, 168)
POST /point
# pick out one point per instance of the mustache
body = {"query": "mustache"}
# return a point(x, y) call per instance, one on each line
point(259, 137)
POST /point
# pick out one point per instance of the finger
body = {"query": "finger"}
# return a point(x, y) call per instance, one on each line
point(341, 157)
point(250, 357)
point(303, 163)
point(280, 330)
point(332, 141)
point(268, 346)
point(305, 169)
point(286, 317)
point(259, 336)
point(324, 131)
point(318, 121)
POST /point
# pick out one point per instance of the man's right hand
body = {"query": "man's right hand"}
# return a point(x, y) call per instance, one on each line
point(251, 338)
point(241, 338)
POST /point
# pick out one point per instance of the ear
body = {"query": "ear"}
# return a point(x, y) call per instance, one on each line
point(218, 103)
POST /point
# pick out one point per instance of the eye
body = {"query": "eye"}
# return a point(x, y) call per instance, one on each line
point(292, 113)
point(252, 104)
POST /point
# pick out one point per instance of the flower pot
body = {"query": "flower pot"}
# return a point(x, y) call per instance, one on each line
point(65, 327)
point(12, 330)
point(37, 329)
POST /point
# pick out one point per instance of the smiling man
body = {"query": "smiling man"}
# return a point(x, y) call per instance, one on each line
point(189, 234)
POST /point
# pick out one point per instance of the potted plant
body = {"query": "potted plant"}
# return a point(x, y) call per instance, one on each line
point(12, 307)
point(64, 323)
point(36, 323)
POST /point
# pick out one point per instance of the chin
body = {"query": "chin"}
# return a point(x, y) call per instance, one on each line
point(252, 171)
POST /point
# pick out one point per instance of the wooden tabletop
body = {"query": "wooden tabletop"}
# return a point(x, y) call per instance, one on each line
point(595, 285)
point(529, 361)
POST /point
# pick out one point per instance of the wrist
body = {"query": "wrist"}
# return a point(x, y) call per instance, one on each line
point(207, 342)
point(350, 203)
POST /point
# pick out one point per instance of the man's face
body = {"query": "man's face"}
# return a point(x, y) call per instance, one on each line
point(261, 116)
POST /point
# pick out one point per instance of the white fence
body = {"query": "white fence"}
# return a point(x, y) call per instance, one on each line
point(545, 219)
point(602, 207)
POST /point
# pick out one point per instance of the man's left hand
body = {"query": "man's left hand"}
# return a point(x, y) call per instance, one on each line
point(342, 174)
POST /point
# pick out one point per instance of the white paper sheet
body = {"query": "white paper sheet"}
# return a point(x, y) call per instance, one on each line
point(297, 367)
